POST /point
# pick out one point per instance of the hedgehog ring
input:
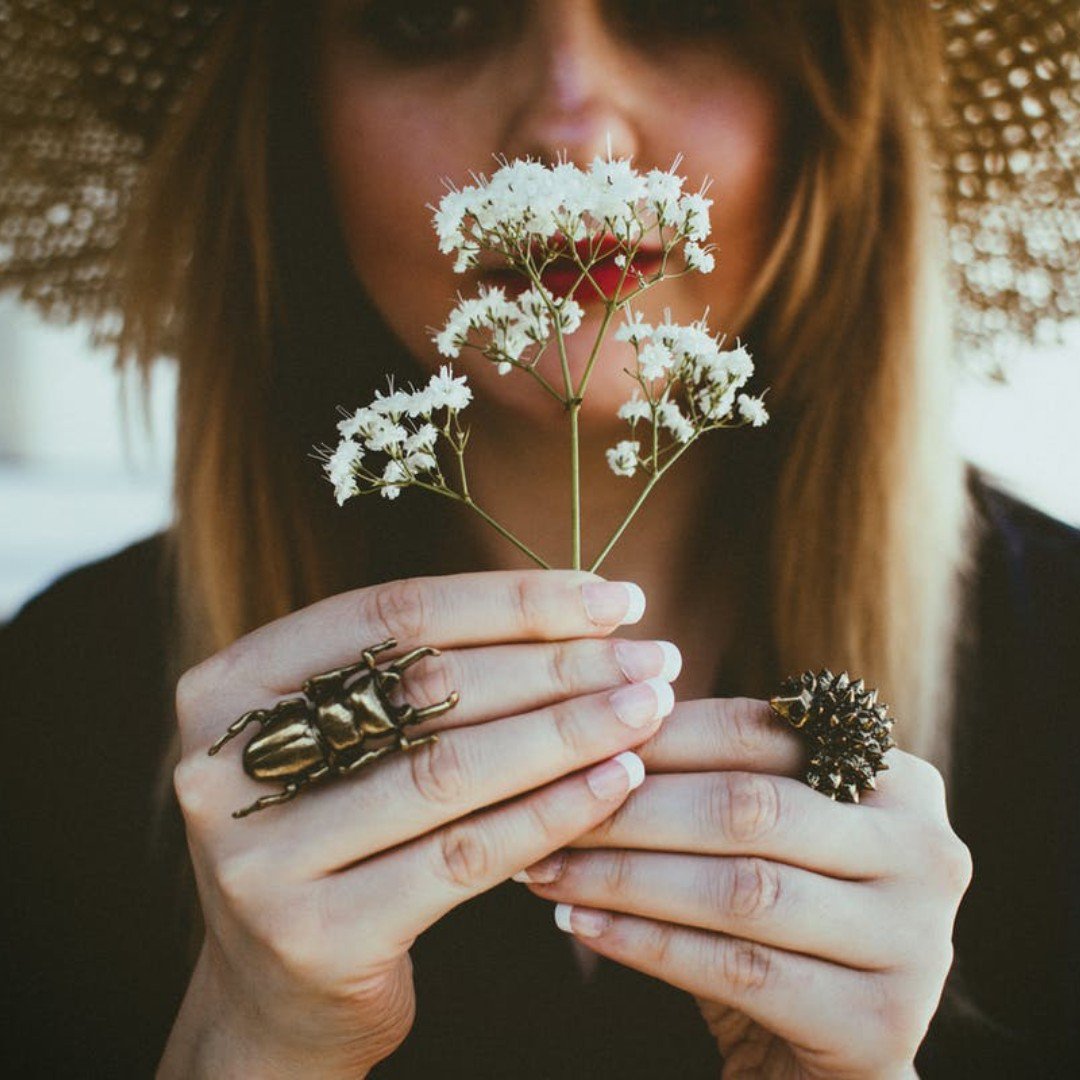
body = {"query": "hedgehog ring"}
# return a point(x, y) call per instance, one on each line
point(847, 730)
point(332, 729)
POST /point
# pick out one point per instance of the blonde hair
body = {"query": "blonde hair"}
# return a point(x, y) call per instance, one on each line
point(862, 492)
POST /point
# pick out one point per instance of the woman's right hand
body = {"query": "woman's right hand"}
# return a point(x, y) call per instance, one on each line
point(311, 907)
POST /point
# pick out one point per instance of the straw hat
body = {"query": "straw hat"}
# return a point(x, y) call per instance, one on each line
point(85, 86)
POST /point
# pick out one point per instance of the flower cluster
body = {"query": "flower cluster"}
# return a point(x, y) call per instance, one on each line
point(399, 425)
point(687, 384)
point(529, 213)
point(509, 327)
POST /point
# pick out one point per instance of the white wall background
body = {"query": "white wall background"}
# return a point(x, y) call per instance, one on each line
point(77, 482)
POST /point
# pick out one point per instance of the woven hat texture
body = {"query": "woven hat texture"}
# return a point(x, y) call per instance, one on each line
point(85, 86)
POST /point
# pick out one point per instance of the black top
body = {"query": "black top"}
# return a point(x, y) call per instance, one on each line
point(96, 943)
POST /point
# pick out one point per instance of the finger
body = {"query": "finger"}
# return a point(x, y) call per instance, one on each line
point(452, 610)
point(499, 680)
point(409, 793)
point(797, 997)
point(741, 813)
point(414, 885)
point(746, 897)
point(725, 733)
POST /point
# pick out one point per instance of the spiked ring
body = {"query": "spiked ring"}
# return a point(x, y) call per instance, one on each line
point(846, 728)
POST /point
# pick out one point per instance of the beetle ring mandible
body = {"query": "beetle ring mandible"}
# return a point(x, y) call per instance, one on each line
point(332, 729)
point(847, 729)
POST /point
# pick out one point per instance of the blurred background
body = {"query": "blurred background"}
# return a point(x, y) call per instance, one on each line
point(81, 475)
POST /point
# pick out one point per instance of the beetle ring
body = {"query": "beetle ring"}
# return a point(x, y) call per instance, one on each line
point(332, 729)
point(846, 728)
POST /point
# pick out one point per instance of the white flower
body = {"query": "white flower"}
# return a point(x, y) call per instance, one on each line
point(623, 458)
point(570, 315)
point(716, 405)
point(753, 409)
point(504, 367)
point(421, 461)
point(672, 418)
point(634, 330)
point(663, 191)
point(619, 260)
point(637, 408)
point(359, 423)
point(423, 438)
point(738, 363)
point(655, 360)
point(393, 472)
point(447, 392)
point(339, 468)
point(394, 404)
point(697, 258)
point(694, 211)
point(385, 435)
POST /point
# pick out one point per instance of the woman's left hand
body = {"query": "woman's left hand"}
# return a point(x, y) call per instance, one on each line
point(815, 936)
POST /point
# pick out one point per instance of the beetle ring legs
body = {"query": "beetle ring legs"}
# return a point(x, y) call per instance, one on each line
point(331, 730)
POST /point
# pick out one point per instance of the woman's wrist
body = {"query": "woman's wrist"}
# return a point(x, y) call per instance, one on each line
point(210, 1038)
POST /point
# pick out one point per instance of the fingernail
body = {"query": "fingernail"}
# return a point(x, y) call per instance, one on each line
point(585, 922)
point(613, 603)
point(616, 776)
point(545, 871)
point(640, 703)
point(638, 659)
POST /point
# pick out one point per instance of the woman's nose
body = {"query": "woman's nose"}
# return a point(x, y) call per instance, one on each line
point(575, 93)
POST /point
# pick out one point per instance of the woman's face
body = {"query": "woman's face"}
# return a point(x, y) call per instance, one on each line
point(412, 92)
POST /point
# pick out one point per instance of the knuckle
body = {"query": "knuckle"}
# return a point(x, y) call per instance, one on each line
point(740, 721)
point(433, 679)
point(240, 880)
point(753, 888)
point(570, 731)
point(617, 873)
point(438, 773)
point(745, 966)
point(529, 605)
point(951, 859)
point(659, 945)
point(399, 609)
point(193, 787)
point(563, 667)
point(901, 1022)
point(745, 806)
point(464, 859)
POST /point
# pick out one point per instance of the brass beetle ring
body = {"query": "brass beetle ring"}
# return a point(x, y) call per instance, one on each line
point(846, 728)
point(332, 730)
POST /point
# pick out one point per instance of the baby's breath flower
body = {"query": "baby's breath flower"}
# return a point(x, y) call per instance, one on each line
point(753, 409)
point(655, 360)
point(634, 330)
point(339, 468)
point(697, 258)
point(637, 408)
point(671, 417)
point(423, 438)
point(448, 392)
point(695, 217)
point(623, 457)
point(393, 472)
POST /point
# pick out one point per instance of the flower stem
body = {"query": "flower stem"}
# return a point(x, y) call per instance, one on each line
point(575, 485)
point(613, 539)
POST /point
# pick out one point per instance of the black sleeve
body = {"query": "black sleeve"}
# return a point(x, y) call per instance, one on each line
point(88, 915)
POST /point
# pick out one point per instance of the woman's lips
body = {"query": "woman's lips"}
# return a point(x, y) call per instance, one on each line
point(562, 275)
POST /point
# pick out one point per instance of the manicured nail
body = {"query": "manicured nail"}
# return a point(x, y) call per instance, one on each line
point(545, 871)
point(640, 703)
point(639, 659)
point(616, 776)
point(613, 603)
point(585, 922)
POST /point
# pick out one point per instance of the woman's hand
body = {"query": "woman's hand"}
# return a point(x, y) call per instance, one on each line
point(815, 936)
point(311, 907)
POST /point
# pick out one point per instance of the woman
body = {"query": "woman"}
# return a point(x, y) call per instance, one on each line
point(280, 236)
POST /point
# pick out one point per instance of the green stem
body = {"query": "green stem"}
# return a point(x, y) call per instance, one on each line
point(613, 539)
point(575, 485)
